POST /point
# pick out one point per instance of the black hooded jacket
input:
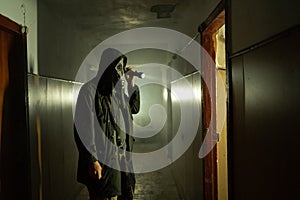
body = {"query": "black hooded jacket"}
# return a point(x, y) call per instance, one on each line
point(96, 130)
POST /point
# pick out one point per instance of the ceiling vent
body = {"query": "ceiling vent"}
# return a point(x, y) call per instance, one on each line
point(163, 10)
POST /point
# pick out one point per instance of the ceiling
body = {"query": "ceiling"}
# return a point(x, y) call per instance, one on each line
point(94, 21)
point(109, 17)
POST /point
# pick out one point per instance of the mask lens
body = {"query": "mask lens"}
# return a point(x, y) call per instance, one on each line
point(119, 67)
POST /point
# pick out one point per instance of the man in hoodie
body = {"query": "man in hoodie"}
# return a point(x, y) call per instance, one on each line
point(103, 129)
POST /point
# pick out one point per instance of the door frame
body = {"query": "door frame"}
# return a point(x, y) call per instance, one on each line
point(214, 22)
point(14, 133)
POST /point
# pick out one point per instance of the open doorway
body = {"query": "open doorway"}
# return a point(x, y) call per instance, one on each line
point(215, 105)
point(221, 113)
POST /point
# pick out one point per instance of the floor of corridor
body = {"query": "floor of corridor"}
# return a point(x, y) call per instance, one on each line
point(158, 185)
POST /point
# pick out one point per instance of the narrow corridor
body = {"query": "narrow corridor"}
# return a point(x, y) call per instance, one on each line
point(158, 185)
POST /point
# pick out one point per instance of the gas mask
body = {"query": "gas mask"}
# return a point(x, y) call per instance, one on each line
point(119, 79)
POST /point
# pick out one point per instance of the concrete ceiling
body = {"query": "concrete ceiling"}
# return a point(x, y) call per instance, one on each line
point(109, 17)
point(93, 21)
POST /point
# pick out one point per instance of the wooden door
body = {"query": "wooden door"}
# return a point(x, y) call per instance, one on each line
point(14, 139)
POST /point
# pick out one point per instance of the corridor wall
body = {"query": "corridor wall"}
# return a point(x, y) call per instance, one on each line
point(188, 169)
point(52, 146)
point(264, 63)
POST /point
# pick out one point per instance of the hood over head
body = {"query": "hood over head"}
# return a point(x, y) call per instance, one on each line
point(107, 73)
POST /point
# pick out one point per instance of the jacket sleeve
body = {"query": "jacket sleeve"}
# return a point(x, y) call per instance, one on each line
point(84, 125)
point(134, 100)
